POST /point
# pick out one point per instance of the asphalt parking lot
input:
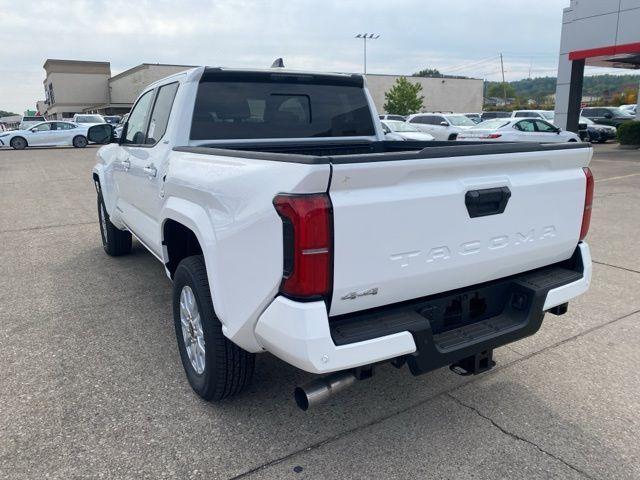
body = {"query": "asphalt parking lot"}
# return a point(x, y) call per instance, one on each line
point(92, 385)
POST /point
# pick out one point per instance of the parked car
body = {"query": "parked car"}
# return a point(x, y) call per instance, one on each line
point(399, 118)
point(88, 119)
point(598, 133)
point(613, 116)
point(631, 108)
point(543, 114)
point(475, 117)
point(490, 115)
point(112, 119)
point(29, 121)
point(389, 134)
point(304, 234)
point(443, 126)
point(51, 133)
point(117, 131)
point(518, 130)
point(406, 131)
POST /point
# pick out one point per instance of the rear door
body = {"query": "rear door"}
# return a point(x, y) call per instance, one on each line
point(403, 229)
point(147, 167)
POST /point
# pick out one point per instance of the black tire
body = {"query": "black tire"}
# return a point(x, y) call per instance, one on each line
point(227, 367)
point(453, 136)
point(80, 141)
point(114, 241)
point(572, 140)
point(18, 143)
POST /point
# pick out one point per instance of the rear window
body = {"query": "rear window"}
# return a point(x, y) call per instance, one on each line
point(33, 119)
point(279, 107)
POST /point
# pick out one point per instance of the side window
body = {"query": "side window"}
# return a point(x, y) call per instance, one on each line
point(45, 127)
point(438, 120)
point(525, 126)
point(545, 127)
point(522, 114)
point(422, 119)
point(160, 114)
point(138, 120)
point(63, 126)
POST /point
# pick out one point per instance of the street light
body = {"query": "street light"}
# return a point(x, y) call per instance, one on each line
point(365, 37)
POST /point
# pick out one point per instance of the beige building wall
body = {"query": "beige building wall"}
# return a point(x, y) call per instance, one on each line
point(458, 95)
point(71, 85)
point(126, 87)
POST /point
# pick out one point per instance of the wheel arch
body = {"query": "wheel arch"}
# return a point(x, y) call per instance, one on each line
point(186, 230)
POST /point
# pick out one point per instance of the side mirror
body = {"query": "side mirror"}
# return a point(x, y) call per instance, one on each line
point(101, 134)
point(608, 115)
point(558, 130)
point(444, 124)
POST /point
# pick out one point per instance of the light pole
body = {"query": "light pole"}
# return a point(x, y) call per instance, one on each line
point(365, 37)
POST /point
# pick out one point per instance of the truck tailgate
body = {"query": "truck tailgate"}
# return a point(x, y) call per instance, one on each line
point(405, 229)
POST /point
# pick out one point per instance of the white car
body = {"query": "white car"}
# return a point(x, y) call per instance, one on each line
point(547, 115)
point(406, 131)
point(46, 134)
point(442, 126)
point(308, 236)
point(28, 122)
point(518, 130)
point(88, 119)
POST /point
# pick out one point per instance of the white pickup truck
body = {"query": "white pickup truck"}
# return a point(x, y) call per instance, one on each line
point(289, 225)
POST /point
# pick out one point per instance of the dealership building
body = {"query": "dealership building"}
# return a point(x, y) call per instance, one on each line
point(599, 33)
point(73, 86)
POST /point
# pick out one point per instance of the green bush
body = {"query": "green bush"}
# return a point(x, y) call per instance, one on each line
point(629, 133)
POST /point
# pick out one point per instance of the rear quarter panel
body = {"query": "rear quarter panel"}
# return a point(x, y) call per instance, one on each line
point(229, 202)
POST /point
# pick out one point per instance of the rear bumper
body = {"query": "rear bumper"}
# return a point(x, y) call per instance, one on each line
point(430, 332)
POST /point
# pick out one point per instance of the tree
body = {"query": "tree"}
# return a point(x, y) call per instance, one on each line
point(428, 72)
point(4, 113)
point(497, 90)
point(403, 98)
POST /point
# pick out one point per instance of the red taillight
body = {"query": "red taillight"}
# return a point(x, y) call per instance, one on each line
point(494, 135)
point(588, 202)
point(308, 238)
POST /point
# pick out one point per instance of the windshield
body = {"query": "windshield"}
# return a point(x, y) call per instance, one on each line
point(548, 115)
point(618, 112)
point(112, 119)
point(492, 124)
point(89, 119)
point(397, 126)
point(460, 121)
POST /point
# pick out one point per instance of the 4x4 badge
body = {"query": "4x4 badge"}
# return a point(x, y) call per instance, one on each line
point(354, 295)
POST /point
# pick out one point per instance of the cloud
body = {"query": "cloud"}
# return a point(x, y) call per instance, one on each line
point(309, 34)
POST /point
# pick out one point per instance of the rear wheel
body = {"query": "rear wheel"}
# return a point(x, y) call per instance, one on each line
point(80, 141)
point(114, 241)
point(18, 143)
point(216, 367)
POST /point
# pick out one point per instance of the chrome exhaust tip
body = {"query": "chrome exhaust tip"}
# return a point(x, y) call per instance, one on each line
point(321, 389)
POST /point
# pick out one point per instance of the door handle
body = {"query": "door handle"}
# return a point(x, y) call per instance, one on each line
point(489, 201)
point(126, 164)
point(150, 170)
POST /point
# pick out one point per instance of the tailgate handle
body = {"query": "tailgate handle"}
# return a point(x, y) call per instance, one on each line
point(489, 201)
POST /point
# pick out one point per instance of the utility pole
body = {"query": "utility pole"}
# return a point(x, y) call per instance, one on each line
point(504, 85)
point(365, 37)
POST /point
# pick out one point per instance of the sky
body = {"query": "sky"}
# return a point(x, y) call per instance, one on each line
point(462, 37)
